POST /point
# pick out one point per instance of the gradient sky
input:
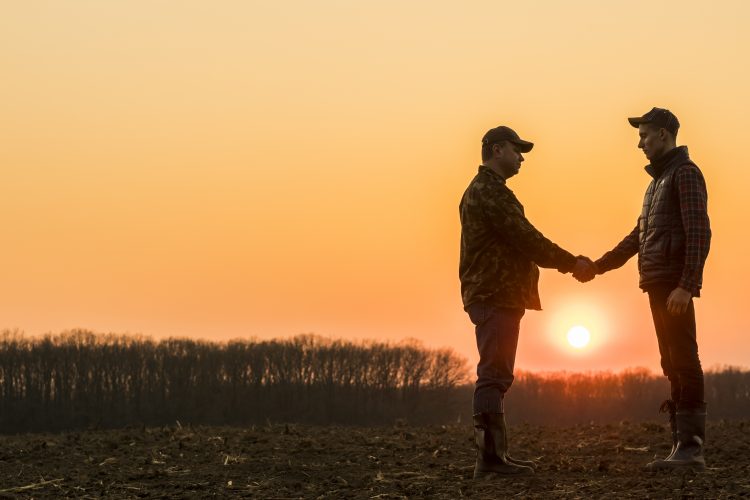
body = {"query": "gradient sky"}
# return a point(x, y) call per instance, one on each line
point(244, 169)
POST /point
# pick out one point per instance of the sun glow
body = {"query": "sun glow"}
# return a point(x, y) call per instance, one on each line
point(578, 337)
point(579, 326)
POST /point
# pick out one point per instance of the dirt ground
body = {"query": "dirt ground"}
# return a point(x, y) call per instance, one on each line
point(295, 461)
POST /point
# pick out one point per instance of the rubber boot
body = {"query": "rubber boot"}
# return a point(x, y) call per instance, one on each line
point(668, 406)
point(691, 435)
point(490, 438)
point(514, 461)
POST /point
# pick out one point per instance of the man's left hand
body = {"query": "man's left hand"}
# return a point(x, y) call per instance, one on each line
point(678, 301)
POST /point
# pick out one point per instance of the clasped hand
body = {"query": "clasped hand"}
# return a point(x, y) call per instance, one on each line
point(585, 269)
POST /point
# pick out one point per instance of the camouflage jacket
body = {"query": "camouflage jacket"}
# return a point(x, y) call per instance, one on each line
point(500, 249)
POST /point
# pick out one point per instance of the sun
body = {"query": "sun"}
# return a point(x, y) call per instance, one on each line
point(578, 337)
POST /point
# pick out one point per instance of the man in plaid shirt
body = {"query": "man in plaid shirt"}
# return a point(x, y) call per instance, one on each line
point(672, 239)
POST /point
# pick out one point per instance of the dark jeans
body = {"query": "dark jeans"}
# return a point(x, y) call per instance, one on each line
point(678, 349)
point(497, 338)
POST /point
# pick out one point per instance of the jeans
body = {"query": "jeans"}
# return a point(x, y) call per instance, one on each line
point(678, 349)
point(497, 339)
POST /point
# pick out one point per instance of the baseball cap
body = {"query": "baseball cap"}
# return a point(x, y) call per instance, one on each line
point(662, 118)
point(503, 133)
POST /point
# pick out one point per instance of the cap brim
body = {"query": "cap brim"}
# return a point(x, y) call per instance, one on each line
point(523, 146)
point(635, 122)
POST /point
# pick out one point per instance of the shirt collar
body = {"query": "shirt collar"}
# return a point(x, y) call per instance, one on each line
point(485, 168)
point(657, 167)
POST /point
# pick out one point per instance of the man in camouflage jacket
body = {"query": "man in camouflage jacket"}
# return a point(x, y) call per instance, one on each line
point(500, 252)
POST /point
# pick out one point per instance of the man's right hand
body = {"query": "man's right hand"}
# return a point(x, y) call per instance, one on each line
point(585, 269)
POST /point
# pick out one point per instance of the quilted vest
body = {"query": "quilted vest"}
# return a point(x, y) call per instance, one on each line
point(661, 237)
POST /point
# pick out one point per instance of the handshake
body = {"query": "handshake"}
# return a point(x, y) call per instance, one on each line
point(585, 269)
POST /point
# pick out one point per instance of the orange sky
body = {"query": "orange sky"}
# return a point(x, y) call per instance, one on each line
point(263, 169)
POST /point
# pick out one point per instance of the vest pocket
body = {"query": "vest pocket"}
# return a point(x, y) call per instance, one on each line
point(666, 243)
point(676, 248)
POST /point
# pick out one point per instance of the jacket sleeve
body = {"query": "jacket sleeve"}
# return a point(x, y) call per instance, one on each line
point(619, 255)
point(506, 217)
point(693, 209)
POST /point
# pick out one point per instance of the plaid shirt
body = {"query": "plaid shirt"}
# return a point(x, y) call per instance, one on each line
point(693, 209)
point(692, 197)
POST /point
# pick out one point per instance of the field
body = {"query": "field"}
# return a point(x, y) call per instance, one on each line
point(296, 461)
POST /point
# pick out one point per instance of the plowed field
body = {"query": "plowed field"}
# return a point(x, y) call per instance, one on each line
point(297, 461)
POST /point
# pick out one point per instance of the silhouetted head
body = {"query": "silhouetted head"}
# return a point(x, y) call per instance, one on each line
point(502, 150)
point(657, 130)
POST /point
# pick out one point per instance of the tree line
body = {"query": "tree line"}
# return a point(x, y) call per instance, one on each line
point(79, 379)
point(634, 395)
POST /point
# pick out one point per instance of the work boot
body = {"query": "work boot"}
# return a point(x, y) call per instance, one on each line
point(491, 441)
point(668, 406)
point(514, 461)
point(691, 435)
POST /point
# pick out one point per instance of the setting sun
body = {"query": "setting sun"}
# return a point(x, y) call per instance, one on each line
point(578, 337)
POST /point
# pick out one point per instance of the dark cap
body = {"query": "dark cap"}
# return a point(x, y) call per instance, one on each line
point(660, 117)
point(503, 133)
